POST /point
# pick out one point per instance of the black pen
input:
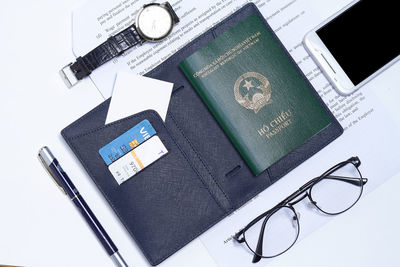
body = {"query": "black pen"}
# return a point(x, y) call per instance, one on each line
point(62, 180)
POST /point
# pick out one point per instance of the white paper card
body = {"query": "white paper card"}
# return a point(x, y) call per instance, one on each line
point(134, 93)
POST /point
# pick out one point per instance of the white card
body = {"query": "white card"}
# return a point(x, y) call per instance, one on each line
point(137, 159)
point(134, 93)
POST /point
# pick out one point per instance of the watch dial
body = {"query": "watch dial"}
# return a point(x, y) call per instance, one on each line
point(154, 22)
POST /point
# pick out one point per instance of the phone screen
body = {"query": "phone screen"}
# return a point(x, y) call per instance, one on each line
point(364, 38)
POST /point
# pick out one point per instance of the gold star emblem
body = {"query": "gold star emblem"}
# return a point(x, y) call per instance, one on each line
point(248, 85)
point(258, 99)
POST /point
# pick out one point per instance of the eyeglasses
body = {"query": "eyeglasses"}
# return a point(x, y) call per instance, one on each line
point(276, 230)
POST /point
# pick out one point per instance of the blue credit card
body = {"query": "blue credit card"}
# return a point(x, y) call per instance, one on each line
point(127, 141)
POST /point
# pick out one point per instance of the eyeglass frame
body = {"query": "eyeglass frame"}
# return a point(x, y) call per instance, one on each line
point(287, 203)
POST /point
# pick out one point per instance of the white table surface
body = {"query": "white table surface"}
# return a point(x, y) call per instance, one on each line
point(40, 227)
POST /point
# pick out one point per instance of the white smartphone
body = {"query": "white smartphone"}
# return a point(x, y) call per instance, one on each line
point(356, 44)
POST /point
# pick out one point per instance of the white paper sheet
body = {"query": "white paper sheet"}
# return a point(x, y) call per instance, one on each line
point(95, 21)
point(135, 93)
point(290, 19)
point(359, 114)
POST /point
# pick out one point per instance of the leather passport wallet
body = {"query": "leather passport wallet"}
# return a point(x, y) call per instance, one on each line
point(201, 180)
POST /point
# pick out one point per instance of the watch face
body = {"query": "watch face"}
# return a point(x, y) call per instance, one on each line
point(154, 22)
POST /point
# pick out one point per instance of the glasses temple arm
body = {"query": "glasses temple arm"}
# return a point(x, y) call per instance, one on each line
point(258, 252)
point(350, 180)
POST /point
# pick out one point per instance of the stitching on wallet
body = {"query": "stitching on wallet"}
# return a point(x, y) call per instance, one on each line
point(197, 173)
point(201, 160)
point(114, 123)
point(150, 113)
point(213, 33)
point(105, 195)
point(111, 203)
point(86, 115)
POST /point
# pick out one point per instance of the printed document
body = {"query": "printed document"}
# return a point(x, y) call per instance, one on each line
point(291, 20)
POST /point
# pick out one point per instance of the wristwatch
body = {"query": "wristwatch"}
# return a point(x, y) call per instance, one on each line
point(153, 23)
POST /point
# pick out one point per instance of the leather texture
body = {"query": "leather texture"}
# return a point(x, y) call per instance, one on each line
point(201, 180)
point(114, 46)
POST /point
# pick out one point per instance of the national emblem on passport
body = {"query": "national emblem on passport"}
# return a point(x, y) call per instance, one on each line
point(252, 91)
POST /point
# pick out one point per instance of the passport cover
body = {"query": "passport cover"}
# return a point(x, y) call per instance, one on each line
point(201, 180)
point(255, 92)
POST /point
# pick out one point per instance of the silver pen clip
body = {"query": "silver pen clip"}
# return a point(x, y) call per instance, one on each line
point(46, 158)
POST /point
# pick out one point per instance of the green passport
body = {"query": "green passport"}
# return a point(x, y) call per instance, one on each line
point(256, 93)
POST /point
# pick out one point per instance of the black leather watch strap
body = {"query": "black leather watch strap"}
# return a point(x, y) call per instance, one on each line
point(114, 46)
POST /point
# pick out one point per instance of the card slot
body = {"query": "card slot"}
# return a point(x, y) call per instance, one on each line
point(211, 146)
point(164, 201)
point(200, 136)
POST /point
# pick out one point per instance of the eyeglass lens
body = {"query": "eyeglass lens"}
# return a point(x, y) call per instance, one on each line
point(280, 233)
point(332, 194)
point(338, 191)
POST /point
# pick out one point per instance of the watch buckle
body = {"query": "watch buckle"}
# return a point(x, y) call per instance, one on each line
point(68, 76)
